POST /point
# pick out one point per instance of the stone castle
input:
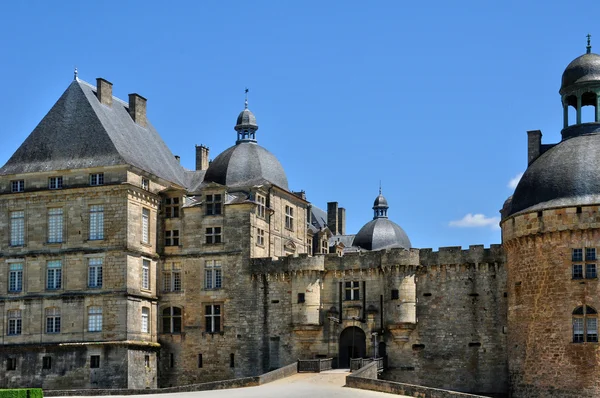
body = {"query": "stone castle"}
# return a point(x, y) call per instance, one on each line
point(119, 268)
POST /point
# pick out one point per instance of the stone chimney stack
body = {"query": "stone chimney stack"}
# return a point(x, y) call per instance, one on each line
point(332, 217)
point(137, 109)
point(104, 91)
point(201, 157)
point(341, 221)
point(534, 145)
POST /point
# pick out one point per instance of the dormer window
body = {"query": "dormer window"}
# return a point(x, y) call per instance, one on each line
point(55, 183)
point(97, 179)
point(172, 207)
point(17, 186)
point(145, 184)
point(213, 204)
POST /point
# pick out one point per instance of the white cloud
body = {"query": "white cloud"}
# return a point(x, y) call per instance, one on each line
point(512, 184)
point(476, 221)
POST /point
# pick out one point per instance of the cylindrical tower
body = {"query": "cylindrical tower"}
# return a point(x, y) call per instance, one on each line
point(551, 234)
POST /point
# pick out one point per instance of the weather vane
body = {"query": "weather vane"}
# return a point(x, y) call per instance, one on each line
point(246, 101)
point(589, 44)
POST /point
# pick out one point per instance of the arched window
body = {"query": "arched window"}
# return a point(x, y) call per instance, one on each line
point(585, 325)
point(171, 320)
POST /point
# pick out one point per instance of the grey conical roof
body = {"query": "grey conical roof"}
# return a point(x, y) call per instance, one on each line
point(80, 132)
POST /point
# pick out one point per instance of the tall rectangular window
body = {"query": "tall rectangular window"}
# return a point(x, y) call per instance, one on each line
point(17, 228)
point(46, 363)
point(261, 206)
point(97, 179)
point(577, 330)
point(55, 225)
point(145, 319)
point(54, 275)
point(94, 361)
point(577, 254)
point(146, 184)
point(94, 319)
point(592, 330)
point(212, 315)
point(590, 254)
point(52, 320)
point(352, 290)
point(172, 277)
point(172, 238)
point(171, 207)
point(95, 272)
point(17, 186)
point(14, 322)
point(145, 225)
point(55, 182)
point(213, 204)
point(96, 222)
point(213, 235)
point(260, 237)
point(146, 274)
point(15, 277)
point(590, 271)
point(289, 217)
point(212, 274)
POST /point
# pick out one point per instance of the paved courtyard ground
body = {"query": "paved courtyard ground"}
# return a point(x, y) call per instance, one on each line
point(302, 385)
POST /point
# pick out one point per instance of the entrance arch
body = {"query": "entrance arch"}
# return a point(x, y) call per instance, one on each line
point(352, 345)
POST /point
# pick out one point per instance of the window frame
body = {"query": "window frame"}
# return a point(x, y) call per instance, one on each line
point(260, 237)
point(146, 271)
point(145, 226)
point(95, 272)
point(213, 274)
point(145, 326)
point(214, 204)
point(15, 277)
point(213, 318)
point(172, 281)
point(96, 226)
point(261, 206)
point(289, 217)
point(172, 238)
point(174, 327)
point(54, 274)
point(17, 186)
point(14, 324)
point(94, 361)
point(172, 207)
point(95, 320)
point(582, 317)
point(351, 290)
point(96, 179)
point(53, 321)
point(55, 182)
point(56, 225)
point(17, 228)
point(213, 235)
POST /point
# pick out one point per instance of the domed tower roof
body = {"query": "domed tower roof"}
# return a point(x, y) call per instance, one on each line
point(567, 174)
point(381, 233)
point(246, 163)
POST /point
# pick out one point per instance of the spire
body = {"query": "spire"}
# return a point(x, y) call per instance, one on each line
point(589, 45)
point(379, 187)
point(246, 101)
point(75, 74)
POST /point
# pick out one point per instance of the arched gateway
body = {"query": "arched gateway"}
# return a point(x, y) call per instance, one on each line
point(352, 345)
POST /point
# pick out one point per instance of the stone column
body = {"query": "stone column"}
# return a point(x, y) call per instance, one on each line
point(597, 107)
point(578, 109)
point(565, 114)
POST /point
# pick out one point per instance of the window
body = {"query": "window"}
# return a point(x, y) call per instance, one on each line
point(352, 290)
point(96, 222)
point(212, 274)
point(52, 320)
point(172, 277)
point(309, 246)
point(289, 217)
point(172, 320)
point(232, 360)
point(46, 362)
point(213, 235)
point(212, 315)
point(260, 209)
point(147, 361)
point(590, 254)
point(17, 228)
point(199, 360)
point(55, 225)
point(171, 360)
point(146, 274)
point(95, 272)
point(395, 294)
point(97, 179)
point(585, 325)
point(260, 237)
point(94, 361)
point(17, 186)
point(324, 247)
point(94, 319)
point(145, 320)
point(579, 271)
point(54, 275)
point(15, 277)
point(145, 226)
point(213, 205)
point(145, 184)
point(11, 363)
point(171, 207)
point(55, 182)
point(14, 322)
point(172, 238)
point(301, 298)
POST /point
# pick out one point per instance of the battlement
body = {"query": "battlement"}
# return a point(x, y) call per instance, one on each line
point(475, 254)
point(303, 262)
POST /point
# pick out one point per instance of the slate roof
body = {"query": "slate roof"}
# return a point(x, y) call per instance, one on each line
point(79, 132)
point(568, 174)
point(581, 70)
point(246, 164)
point(381, 233)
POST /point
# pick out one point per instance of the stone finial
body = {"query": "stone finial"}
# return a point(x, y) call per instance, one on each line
point(75, 73)
point(589, 45)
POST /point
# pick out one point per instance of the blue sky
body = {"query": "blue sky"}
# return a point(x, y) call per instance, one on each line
point(431, 98)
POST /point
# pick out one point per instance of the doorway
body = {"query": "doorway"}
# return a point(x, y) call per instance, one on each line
point(352, 345)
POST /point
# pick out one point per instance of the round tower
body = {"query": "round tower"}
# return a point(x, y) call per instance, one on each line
point(551, 234)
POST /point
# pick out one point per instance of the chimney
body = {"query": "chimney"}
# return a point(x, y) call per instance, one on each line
point(332, 217)
point(534, 145)
point(178, 158)
point(201, 157)
point(137, 109)
point(341, 221)
point(104, 91)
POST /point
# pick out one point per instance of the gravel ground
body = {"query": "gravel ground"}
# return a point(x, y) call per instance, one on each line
point(302, 385)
